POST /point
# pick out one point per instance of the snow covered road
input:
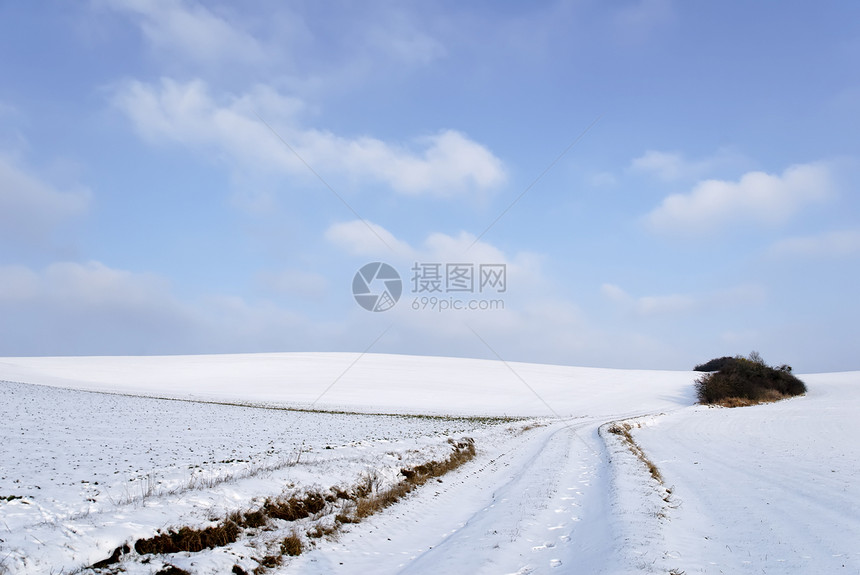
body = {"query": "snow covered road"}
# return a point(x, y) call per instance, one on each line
point(536, 504)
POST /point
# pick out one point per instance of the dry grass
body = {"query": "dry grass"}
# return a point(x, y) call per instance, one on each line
point(294, 508)
point(292, 545)
point(345, 518)
point(527, 427)
point(768, 396)
point(373, 503)
point(623, 429)
point(363, 499)
point(189, 539)
point(318, 530)
point(375, 500)
point(254, 519)
point(268, 562)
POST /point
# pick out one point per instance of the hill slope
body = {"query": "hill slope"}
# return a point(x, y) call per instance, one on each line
point(773, 488)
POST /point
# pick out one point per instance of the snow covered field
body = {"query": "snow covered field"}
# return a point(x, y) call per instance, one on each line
point(767, 489)
point(373, 383)
point(86, 471)
point(770, 488)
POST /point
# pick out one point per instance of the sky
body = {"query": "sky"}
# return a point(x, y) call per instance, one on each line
point(663, 182)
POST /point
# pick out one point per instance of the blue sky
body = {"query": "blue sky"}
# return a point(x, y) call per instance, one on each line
point(709, 207)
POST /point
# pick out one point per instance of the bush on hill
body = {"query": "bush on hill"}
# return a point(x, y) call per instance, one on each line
point(715, 364)
point(746, 381)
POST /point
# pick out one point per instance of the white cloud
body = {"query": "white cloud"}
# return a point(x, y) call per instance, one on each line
point(358, 42)
point(356, 238)
point(295, 282)
point(526, 299)
point(674, 304)
point(229, 323)
point(835, 244)
point(449, 164)
point(666, 165)
point(461, 247)
point(72, 308)
point(603, 180)
point(672, 166)
point(649, 305)
point(74, 286)
point(757, 198)
point(189, 29)
point(363, 238)
point(740, 295)
point(90, 308)
point(658, 305)
point(615, 293)
point(31, 208)
point(445, 164)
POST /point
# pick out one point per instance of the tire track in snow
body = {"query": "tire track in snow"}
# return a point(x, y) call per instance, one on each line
point(486, 538)
point(552, 516)
point(538, 503)
point(535, 503)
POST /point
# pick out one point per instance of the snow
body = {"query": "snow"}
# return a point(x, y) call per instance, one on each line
point(103, 468)
point(531, 508)
point(371, 382)
point(771, 488)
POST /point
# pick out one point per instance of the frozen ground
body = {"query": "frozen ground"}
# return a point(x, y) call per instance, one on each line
point(82, 472)
point(765, 489)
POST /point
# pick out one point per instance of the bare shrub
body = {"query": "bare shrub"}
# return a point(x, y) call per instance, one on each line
point(747, 381)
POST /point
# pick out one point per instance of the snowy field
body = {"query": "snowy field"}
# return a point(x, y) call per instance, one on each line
point(765, 489)
point(373, 383)
point(83, 472)
point(770, 489)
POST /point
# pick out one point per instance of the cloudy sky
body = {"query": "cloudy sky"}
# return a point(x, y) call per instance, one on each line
point(665, 181)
